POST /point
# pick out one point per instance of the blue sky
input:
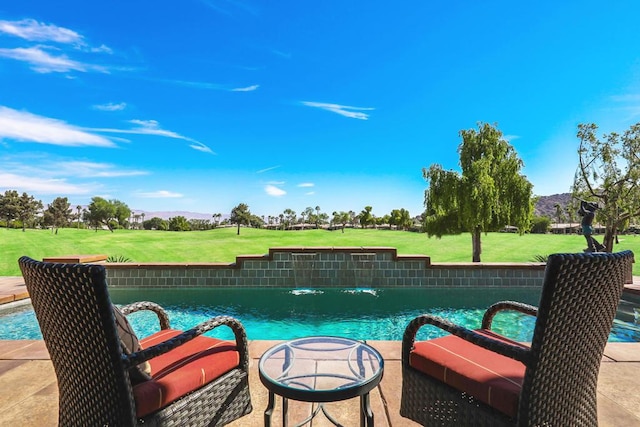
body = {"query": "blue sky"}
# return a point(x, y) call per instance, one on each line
point(199, 105)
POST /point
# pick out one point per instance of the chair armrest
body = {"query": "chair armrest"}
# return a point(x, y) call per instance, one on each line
point(506, 305)
point(509, 350)
point(163, 317)
point(238, 330)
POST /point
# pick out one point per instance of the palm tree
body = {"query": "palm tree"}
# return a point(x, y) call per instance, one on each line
point(78, 208)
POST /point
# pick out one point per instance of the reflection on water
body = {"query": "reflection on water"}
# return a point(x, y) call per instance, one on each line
point(359, 313)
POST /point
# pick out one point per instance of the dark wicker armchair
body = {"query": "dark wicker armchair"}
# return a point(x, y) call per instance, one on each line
point(195, 380)
point(482, 378)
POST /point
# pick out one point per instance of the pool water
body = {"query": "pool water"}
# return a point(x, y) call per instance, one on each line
point(364, 314)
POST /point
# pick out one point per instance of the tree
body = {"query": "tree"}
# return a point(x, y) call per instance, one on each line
point(101, 212)
point(341, 218)
point(487, 195)
point(540, 224)
point(9, 206)
point(559, 213)
point(79, 209)
point(216, 219)
point(401, 218)
point(58, 213)
point(289, 218)
point(240, 215)
point(308, 212)
point(28, 207)
point(179, 223)
point(366, 218)
point(609, 174)
point(155, 223)
point(122, 212)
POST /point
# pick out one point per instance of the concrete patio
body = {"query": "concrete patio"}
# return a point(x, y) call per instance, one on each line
point(29, 388)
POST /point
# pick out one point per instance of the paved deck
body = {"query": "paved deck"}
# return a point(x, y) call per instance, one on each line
point(29, 389)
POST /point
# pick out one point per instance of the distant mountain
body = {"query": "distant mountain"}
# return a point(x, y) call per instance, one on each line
point(546, 205)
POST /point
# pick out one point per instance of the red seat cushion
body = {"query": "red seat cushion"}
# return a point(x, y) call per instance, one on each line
point(489, 377)
point(182, 370)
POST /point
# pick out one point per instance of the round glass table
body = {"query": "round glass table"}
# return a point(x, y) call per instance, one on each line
point(321, 369)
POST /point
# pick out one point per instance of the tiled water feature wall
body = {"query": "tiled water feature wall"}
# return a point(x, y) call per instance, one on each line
point(326, 267)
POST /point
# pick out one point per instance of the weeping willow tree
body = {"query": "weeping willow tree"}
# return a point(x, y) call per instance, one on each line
point(488, 194)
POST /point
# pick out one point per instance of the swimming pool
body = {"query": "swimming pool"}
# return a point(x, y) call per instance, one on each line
point(359, 313)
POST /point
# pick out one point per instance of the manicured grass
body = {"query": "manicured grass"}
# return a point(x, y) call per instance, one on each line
point(223, 245)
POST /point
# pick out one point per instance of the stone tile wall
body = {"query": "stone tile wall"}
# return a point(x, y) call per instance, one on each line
point(326, 267)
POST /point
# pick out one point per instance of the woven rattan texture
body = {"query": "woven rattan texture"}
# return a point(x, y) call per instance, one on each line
point(578, 303)
point(74, 312)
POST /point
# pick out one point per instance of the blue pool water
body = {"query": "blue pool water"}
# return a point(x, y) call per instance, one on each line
point(366, 314)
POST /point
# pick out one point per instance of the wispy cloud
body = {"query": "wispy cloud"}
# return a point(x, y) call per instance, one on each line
point(199, 85)
point(160, 194)
point(343, 110)
point(37, 185)
point(629, 97)
point(94, 170)
point(246, 89)
point(274, 191)
point(231, 7)
point(111, 106)
point(310, 193)
point(268, 169)
point(306, 184)
point(209, 85)
point(629, 104)
point(26, 127)
point(511, 137)
point(281, 54)
point(44, 62)
point(32, 30)
point(43, 57)
point(152, 127)
point(199, 146)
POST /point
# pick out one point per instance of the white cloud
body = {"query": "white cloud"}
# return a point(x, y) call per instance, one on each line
point(274, 191)
point(267, 169)
point(36, 185)
point(306, 184)
point(160, 194)
point(310, 193)
point(93, 170)
point(281, 54)
point(246, 89)
point(111, 106)
point(43, 62)
point(32, 30)
point(152, 127)
point(201, 147)
point(511, 137)
point(343, 110)
point(27, 127)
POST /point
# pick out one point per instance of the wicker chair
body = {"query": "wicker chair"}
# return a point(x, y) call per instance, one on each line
point(482, 378)
point(73, 308)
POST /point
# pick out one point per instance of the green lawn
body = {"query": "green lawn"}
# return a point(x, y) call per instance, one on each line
point(223, 245)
